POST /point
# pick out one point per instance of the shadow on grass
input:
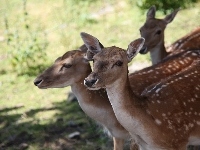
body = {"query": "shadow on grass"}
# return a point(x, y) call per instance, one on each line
point(15, 134)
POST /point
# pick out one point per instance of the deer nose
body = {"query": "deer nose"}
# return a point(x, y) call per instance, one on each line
point(90, 83)
point(37, 82)
point(143, 50)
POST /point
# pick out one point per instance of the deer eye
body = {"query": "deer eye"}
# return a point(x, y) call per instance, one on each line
point(119, 63)
point(66, 65)
point(158, 32)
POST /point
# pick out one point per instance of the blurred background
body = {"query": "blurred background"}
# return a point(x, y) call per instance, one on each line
point(33, 33)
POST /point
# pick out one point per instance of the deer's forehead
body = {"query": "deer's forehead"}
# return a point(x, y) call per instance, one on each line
point(111, 53)
point(153, 24)
point(71, 56)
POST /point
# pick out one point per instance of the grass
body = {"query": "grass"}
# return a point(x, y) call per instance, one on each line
point(42, 118)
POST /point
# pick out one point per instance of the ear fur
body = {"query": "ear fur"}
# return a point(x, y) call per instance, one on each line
point(151, 12)
point(134, 47)
point(169, 18)
point(93, 45)
point(83, 48)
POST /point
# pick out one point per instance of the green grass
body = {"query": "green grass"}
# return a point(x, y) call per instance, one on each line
point(41, 118)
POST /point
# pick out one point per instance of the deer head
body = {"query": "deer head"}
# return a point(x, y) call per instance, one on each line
point(153, 29)
point(66, 70)
point(168, 118)
point(112, 61)
point(70, 70)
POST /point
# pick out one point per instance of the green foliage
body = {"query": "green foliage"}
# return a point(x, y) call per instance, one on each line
point(165, 5)
point(26, 45)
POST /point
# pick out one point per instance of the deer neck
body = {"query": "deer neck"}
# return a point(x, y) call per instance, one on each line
point(87, 96)
point(96, 105)
point(123, 98)
point(158, 53)
point(129, 109)
point(93, 103)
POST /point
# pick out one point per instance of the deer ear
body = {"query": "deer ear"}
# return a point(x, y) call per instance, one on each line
point(83, 48)
point(169, 18)
point(151, 12)
point(92, 43)
point(134, 47)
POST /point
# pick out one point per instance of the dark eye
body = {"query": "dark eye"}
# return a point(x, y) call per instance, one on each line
point(66, 65)
point(119, 63)
point(158, 32)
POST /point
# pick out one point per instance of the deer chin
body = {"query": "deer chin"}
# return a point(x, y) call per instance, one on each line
point(93, 88)
point(43, 86)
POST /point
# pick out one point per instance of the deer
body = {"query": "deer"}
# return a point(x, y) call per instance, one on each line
point(70, 70)
point(153, 32)
point(169, 66)
point(52, 78)
point(153, 74)
point(164, 119)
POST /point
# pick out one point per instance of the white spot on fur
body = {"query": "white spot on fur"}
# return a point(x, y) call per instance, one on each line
point(194, 54)
point(170, 66)
point(158, 122)
point(150, 71)
point(148, 112)
point(198, 123)
point(158, 90)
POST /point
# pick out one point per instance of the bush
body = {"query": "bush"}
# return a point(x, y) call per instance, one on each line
point(165, 5)
point(26, 45)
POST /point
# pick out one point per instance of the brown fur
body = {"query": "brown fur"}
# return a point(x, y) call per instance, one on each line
point(155, 42)
point(153, 32)
point(94, 103)
point(190, 41)
point(145, 117)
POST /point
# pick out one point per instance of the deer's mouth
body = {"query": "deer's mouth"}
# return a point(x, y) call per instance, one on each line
point(91, 84)
point(144, 50)
point(38, 82)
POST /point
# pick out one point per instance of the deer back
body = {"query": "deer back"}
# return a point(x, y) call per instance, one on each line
point(174, 103)
point(191, 41)
point(170, 66)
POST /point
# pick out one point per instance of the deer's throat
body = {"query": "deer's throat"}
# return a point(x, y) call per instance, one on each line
point(121, 96)
point(158, 53)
